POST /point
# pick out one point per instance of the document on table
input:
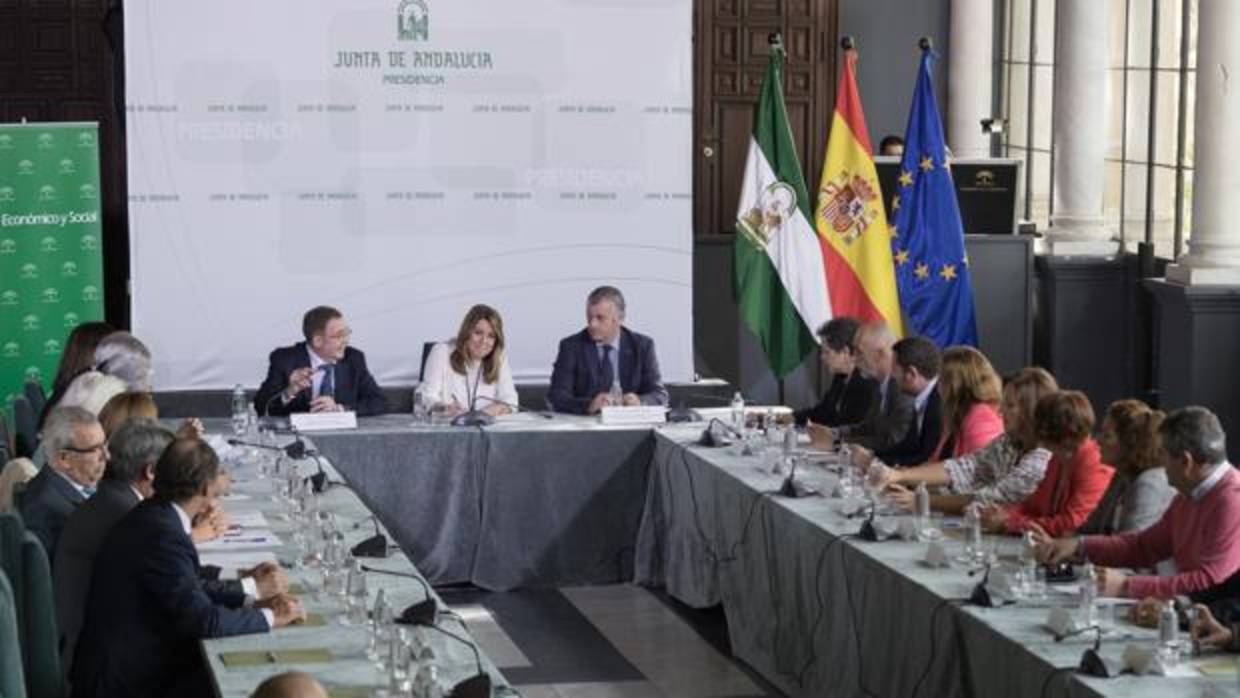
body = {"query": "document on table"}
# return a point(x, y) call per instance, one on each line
point(248, 519)
point(241, 539)
point(230, 562)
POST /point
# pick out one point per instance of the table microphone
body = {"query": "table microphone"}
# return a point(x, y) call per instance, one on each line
point(374, 546)
point(516, 407)
point(421, 613)
point(868, 532)
point(712, 438)
point(1092, 662)
point(476, 686)
point(980, 596)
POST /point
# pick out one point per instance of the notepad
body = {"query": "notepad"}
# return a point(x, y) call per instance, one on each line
point(1217, 665)
point(307, 655)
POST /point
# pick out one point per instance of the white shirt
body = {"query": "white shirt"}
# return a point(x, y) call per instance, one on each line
point(920, 401)
point(251, 589)
point(316, 380)
point(441, 385)
point(1203, 488)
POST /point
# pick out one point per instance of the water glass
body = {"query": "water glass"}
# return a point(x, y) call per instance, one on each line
point(421, 411)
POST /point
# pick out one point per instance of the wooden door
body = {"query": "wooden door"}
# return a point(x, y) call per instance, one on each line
point(730, 55)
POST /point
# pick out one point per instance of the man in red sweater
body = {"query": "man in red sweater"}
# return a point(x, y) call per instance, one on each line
point(1200, 530)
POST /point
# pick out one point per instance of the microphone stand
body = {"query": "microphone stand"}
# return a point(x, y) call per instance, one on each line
point(476, 686)
point(374, 546)
point(421, 613)
point(1092, 663)
point(868, 532)
point(474, 417)
point(710, 439)
point(981, 595)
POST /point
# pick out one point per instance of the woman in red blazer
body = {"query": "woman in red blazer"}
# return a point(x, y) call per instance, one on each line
point(1075, 479)
point(971, 391)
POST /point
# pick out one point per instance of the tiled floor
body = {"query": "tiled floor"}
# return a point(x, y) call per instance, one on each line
point(618, 641)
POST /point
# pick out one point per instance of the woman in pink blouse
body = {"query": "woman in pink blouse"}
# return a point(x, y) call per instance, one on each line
point(971, 392)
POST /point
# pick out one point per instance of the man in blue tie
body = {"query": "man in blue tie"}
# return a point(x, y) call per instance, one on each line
point(605, 358)
point(321, 374)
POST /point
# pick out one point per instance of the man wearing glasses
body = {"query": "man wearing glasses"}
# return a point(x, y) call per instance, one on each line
point(77, 451)
point(321, 374)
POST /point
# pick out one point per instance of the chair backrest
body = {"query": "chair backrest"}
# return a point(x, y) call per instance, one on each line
point(12, 678)
point(33, 390)
point(426, 352)
point(6, 435)
point(24, 424)
point(17, 471)
point(41, 644)
point(12, 535)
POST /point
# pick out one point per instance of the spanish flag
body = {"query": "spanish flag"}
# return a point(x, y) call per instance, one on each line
point(856, 240)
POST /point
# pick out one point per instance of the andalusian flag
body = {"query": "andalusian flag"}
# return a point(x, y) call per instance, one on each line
point(780, 280)
point(857, 242)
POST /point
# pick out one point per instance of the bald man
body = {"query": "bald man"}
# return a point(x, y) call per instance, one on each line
point(292, 684)
point(888, 420)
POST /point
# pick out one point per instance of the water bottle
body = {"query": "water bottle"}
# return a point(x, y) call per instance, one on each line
point(922, 498)
point(400, 660)
point(615, 396)
point(1029, 564)
point(1169, 634)
point(421, 415)
point(240, 411)
point(356, 588)
point(1089, 595)
point(738, 412)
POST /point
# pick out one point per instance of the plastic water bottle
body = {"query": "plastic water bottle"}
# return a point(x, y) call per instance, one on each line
point(1089, 596)
point(1169, 634)
point(251, 422)
point(921, 505)
point(240, 411)
point(421, 414)
point(738, 411)
point(355, 587)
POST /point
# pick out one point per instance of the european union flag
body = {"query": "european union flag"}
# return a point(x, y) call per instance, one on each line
point(927, 239)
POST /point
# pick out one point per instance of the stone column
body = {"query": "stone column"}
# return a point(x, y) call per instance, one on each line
point(970, 78)
point(1214, 244)
point(1080, 127)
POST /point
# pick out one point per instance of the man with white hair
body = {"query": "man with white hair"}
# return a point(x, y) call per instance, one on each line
point(891, 416)
point(77, 451)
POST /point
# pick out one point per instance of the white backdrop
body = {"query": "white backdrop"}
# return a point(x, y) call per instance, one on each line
point(290, 153)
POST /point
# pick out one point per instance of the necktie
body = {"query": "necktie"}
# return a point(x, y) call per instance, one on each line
point(328, 387)
point(609, 375)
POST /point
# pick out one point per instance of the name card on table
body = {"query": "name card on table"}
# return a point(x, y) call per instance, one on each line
point(322, 421)
point(640, 414)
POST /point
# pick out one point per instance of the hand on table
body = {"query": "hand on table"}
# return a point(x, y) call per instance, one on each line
point(994, 518)
point(324, 403)
point(820, 437)
point(1053, 551)
point(270, 579)
point(901, 497)
point(286, 609)
point(1208, 631)
point(631, 400)
point(598, 403)
point(1111, 582)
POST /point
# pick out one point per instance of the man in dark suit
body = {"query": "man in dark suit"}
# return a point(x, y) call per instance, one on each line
point(850, 395)
point(605, 353)
point(77, 450)
point(321, 374)
point(147, 609)
point(915, 367)
point(888, 420)
point(128, 479)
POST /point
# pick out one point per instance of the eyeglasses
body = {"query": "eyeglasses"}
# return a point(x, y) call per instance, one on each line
point(101, 447)
point(342, 334)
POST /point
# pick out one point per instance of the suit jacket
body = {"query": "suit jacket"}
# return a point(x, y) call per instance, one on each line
point(75, 559)
point(45, 504)
point(884, 426)
point(356, 389)
point(578, 373)
point(847, 401)
point(147, 611)
point(918, 444)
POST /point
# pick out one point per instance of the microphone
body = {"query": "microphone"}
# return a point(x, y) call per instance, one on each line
point(712, 438)
point(421, 613)
point(297, 451)
point(476, 686)
point(1092, 663)
point(374, 546)
point(868, 532)
point(516, 407)
point(981, 595)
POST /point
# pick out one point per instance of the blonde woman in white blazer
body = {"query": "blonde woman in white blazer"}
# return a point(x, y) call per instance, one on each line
point(471, 371)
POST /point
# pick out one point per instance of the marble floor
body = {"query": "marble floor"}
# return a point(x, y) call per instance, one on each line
point(616, 641)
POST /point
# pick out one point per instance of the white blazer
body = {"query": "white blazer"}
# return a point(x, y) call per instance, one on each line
point(442, 386)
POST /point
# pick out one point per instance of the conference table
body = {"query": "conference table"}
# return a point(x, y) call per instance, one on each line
point(325, 646)
point(530, 501)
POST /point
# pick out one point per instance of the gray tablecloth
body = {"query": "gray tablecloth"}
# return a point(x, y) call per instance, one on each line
point(523, 503)
point(820, 613)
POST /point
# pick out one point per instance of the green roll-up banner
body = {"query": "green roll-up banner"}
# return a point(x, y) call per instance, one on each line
point(51, 258)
